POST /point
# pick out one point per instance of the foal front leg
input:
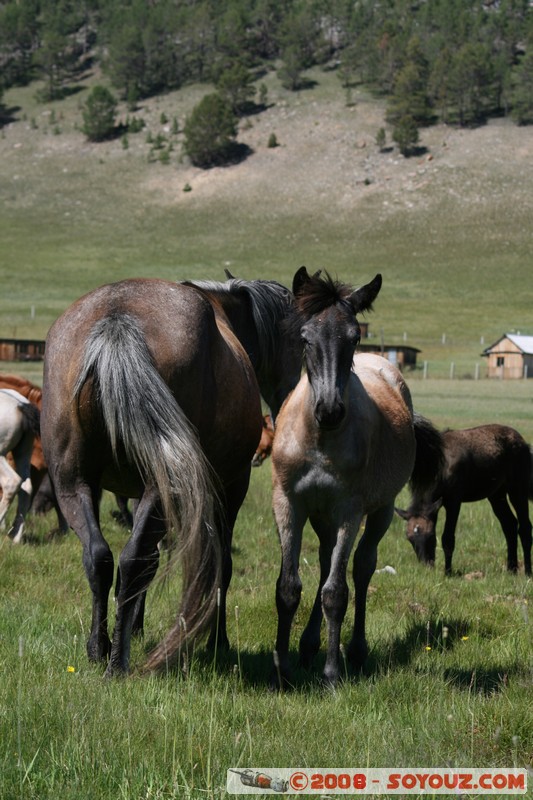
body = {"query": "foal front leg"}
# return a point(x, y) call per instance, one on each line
point(310, 638)
point(335, 596)
point(364, 565)
point(290, 523)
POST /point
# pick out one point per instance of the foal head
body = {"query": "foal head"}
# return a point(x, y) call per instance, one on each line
point(421, 529)
point(330, 333)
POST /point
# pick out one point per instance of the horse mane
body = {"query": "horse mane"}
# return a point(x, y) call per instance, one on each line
point(271, 304)
point(319, 293)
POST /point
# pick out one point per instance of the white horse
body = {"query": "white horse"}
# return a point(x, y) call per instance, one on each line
point(19, 424)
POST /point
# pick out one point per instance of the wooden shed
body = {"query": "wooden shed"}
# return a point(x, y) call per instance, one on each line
point(21, 350)
point(398, 354)
point(510, 357)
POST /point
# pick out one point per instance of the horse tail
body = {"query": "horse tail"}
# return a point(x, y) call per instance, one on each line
point(429, 459)
point(143, 419)
point(31, 418)
point(531, 473)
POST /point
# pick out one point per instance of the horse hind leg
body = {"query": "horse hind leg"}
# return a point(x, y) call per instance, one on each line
point(364, 565)
point(519, 499)
point(81, 510)
point(509, 526)
point(16, 482)
point(10, 482)
point(137, 566)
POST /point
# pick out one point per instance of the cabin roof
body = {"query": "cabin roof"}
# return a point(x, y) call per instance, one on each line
point(524, 343)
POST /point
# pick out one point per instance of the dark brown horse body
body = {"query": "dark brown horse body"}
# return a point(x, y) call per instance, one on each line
point(149, 392)
point(489, 461)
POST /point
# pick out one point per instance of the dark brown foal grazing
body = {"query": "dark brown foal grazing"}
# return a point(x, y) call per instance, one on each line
point(489, 461)
point(344, 447)
point(151, 390)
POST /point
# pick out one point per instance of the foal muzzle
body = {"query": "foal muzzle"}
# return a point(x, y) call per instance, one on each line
point(329, 415)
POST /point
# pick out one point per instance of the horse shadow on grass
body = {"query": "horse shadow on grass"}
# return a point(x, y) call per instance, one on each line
point(255, 669)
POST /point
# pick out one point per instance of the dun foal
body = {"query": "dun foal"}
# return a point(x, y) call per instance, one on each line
point(343, 449)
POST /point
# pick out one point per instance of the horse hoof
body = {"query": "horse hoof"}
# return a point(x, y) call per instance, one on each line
point(330, 679)
point(115, 671)
point(98, 653)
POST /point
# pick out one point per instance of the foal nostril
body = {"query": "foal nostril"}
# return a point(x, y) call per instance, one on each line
point(329, 416)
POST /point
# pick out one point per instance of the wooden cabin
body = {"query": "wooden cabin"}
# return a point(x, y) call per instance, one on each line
point(400, 355)
point(21, 350)
point(510, 357)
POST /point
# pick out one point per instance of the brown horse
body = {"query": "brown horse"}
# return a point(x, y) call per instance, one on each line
point(489, 461)
point(151, 390)
point(264, 448)
point(343, 449)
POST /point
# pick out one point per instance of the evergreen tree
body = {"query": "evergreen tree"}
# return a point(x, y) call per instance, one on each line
point(99, 114)
point(410, 96)
point(522, 92)
point(236, 85)
point(210, 131)
point(470, 81)
point(405, 134)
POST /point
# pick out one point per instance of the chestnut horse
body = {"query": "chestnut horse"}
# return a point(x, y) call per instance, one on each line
point(152, 390)
point(264, 448)
point(344, 447)
point(19, 424)
point(489, 461)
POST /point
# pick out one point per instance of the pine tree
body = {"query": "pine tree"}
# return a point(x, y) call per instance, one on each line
point(210, 131)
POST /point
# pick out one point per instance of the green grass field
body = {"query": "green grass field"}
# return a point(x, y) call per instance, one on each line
point(449, 678)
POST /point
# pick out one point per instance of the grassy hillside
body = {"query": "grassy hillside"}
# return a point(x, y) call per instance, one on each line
point(450, 230)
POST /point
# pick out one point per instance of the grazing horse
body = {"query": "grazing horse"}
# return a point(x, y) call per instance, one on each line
point(489, 461)
point(40, 480)
point(152, 390)
point(344, 447)
point(264, 448)
point(19, 424)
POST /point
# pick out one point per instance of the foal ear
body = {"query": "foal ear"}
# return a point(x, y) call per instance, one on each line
point(435, 506)
point(403, 514)
point(229, 276)
point(300, 279)
point(362, 299)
